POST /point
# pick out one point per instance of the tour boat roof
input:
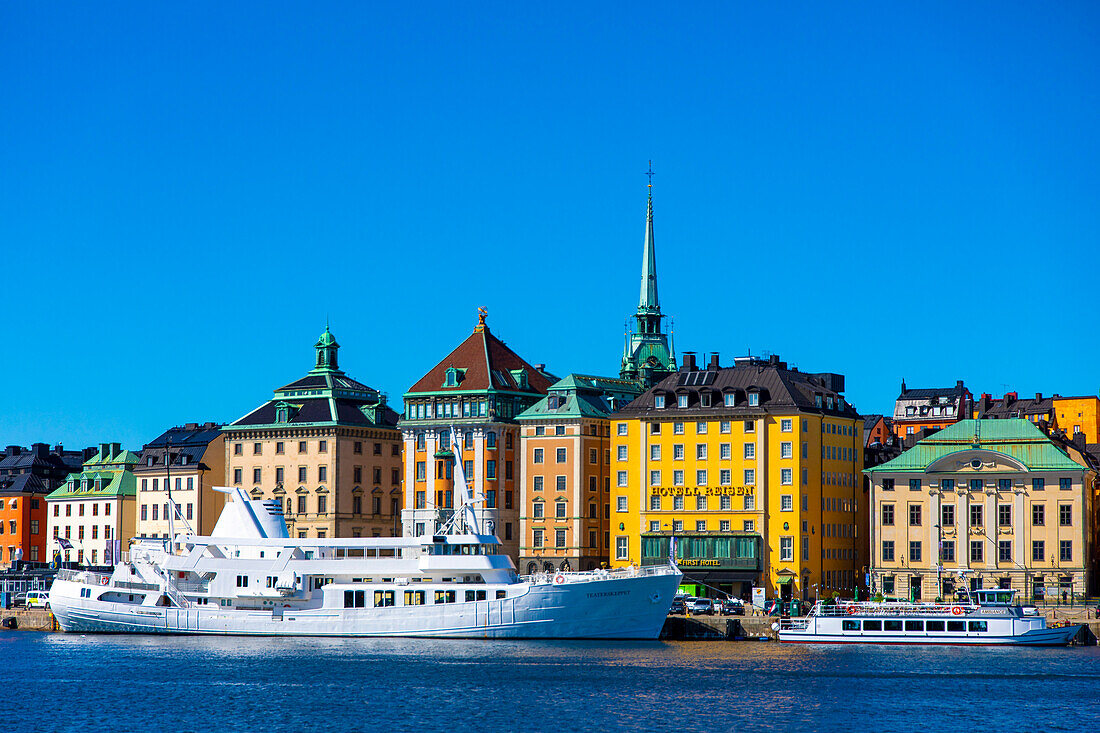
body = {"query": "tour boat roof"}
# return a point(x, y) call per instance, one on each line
point(347, 542)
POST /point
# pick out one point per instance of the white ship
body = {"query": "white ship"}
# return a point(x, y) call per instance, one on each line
point(248, 577)
point(989, 617)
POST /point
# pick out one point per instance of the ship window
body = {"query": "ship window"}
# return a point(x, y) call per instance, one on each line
point(444, 596)
point(956, 626)
point(914, 626)
point(892, 625)
point(872, 625)
point(978, 626)
point(471, 596)
point(502, 594)
point(414, 598)
point(383, 598)
point(933, 626)
point(355, 599)
point(850, 624)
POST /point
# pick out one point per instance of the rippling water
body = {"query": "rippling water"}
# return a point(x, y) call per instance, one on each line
point(123, 683)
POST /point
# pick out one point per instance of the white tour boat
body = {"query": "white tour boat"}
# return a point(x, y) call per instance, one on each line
point(989, 617)
point(249, 577)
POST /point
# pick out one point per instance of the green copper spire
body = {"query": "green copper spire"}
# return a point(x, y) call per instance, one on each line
point(647, 355)
point(326, 347)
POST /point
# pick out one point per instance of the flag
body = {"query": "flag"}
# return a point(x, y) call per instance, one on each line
point(672, 551)
point(65, 544)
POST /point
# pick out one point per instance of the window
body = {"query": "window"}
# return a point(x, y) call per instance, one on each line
point(750, 450)
point(1065, 515)
point(1038, 515)
point(750, 477)
point(786, 503)
point(559, 455)
point(620, 479)
point(559, 483)
point(322, 473)
point(1065, 483)
point(678, 503)
point(537, 537)
point(682, 400)
point(322, 504)
point(977, 552)
point(1065, 550)
point(786, 450)
point(725, 477)
point(537, 510)
point(888, 514)
point(539, 454)
point(655, 428)
point(655, 503)
point(621, 428)
point(678, 477)
point(754, 399)
point(677, 428)
point(678, 451)
point(700, 503)
point(786, 425)
point(559, 510)
point(914, 515)
point(1038, 551)
point(914, 484)
point(238, 449)
point(975, 484)
point(786, 476)
point(255, 475)
point(322, 446)
point(659, 401)
point(701, 478)
point(888, 484)
point(701, 427)
point(620, 453)
point(750, 503)
point(786, 549)
point(490, 469)
point(303, 474)
point(654, 452)
point(947, 551)
point(914, 551)
point(1004, 515)
point(947, 515)
point(700, 451)
point(724, 525)
point(1004, 551)
point(620, 504)
point(1038, 484)
point(725, 503)
point(236, 476)
point(302, 504)
point(975, 515)
point(620, 548)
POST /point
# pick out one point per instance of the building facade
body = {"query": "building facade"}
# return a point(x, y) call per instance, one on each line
point(1040, 410)
point(327, 448)
point(986, 503)
point(91, 517)
point(189, 459)
point(27, 476)
point(1078, 415)
point(753, 468)
point(475, 393)
point(931, 409)
point(565, 473)
point(648, 355)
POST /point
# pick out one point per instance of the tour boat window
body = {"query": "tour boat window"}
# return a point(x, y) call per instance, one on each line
point(383, 598)
point(444, 596)
point(914, 626)
point(892, 624)
point(977, 626)
point(933, 626)
point(850, 624)
point(414, 598)
point(502, 593)
point(355, 599)
point(956, 626)
point(875, 625)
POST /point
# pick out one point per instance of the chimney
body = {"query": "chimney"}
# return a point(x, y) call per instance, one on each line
point(1011, 397)
point(13, 450)
point(540, 367)
point(116, 449)
point(774, 359)
point(191, 426)
point(1038, 396)
point(713, 361)
point(105, 450)
point(88, 453)
point(41, 450)
point(689, 361)
point(959, 384)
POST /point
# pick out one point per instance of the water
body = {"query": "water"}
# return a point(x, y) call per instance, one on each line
point(153, 684)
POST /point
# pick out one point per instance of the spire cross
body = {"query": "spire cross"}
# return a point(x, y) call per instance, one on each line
point(650, 174)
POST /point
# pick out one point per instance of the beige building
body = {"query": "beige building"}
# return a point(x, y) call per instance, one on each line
point(986, 503)
point(196, 466)
point(326, 447)
point(90, 518)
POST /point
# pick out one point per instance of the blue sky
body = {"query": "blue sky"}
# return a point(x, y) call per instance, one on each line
point(189, 190)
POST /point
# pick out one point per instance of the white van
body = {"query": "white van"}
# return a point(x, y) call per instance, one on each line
point(38, 599)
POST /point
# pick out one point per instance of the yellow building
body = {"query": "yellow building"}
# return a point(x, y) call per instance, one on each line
point(984, 503)
point(1078, 415)
point(755, 469)
point(189, 459)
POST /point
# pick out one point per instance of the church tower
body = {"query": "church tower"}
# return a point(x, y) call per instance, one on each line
point(647, 354)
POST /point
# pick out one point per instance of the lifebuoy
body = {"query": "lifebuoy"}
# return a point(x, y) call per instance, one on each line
point(559, 579)
point(104, 581)
point(957, 610)
point(852, 610)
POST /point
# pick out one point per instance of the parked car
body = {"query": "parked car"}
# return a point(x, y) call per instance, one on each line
point(38, 599)
point(732, 607)
point(701, 606)
point(678, 605)
point(19, 600)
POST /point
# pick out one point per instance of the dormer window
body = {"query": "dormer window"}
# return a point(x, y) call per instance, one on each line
point(909, 411)
point(731, 399)
point(754, 399)
point(452, 377)
point(829, 402)
point(682, 400)
point(704, 399)
point(184, 459)
point(659, 401)
point(282, 414)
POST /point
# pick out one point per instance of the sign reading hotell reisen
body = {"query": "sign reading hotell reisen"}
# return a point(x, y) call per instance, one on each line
point(704, 490)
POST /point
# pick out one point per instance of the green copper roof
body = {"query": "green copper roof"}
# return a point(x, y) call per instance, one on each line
point(1016, 438)
point(582, 395)
point(118, 483)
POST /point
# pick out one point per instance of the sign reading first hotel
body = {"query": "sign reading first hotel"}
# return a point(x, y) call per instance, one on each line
point(703, 490)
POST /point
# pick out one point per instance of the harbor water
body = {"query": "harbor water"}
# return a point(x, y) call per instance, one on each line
point(59, 682)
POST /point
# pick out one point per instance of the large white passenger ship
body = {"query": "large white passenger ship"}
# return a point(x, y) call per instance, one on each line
point(249, 577)
point(989, 617)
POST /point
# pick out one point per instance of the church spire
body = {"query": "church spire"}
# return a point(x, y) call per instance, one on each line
point(647, 302)
point(326, 347)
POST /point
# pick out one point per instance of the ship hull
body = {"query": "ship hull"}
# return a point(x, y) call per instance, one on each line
point(620, 608)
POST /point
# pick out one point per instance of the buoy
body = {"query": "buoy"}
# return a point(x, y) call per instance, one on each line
point(957, 610)
point(559, 579)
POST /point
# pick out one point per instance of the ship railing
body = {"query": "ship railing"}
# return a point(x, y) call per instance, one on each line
point(856, 608)
point(193, 586)
point(87, 577)
point(588, 576)
point(793, 624)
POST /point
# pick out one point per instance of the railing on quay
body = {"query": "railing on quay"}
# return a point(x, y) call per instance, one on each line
point(587, 576)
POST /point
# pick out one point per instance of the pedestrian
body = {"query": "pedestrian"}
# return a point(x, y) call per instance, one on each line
point(1065, 596)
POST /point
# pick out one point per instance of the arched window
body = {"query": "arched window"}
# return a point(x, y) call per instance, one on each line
point(532, 568)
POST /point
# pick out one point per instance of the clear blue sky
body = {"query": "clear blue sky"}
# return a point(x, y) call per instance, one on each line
point(187, 191)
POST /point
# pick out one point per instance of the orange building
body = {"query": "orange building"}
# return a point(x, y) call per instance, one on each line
point(26, 477)
point(1078, 415)
point(565, 473)
point(935, 408)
